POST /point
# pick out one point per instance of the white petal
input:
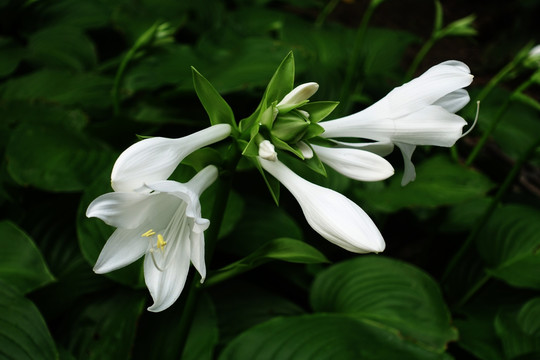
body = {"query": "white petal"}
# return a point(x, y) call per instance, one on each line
point(381, 148)
point(167, 285)
point(332, 215)
point(267, 150)
point(354, 163)
point(120, 209)
point(299, 94)
point(122, 248)
point(197, 248)
point(156, 158)
point(409, 173)
point(454, 101)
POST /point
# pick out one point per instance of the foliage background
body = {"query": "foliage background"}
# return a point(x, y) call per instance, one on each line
point(66, 112)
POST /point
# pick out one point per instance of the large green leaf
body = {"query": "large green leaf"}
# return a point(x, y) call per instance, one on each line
point(203, 334)
point(55, 158)
point(510, 245)
point(477, 335)
point(529, 317)
point(322, 336)
point(23, 333)
point(438, 182)
point(515, 341)
point(216, 107)
point(105, 328)
point(21, 263)
point(284, 249)
point(391, 293)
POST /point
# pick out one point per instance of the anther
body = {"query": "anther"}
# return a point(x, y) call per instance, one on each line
point(149, 233)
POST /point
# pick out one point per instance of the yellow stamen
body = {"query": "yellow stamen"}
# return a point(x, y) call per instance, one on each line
point(160, 242)
point(149, 233)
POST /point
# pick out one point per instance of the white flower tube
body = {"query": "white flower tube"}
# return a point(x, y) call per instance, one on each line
point(335, 217)
point(355, 163)
point(165, 225)
point(155, 159)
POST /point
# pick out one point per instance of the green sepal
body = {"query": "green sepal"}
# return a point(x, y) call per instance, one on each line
point(271, 182)
point(285, 249)
point(312, 131)
point(290, 128)
point(283, 109)
point(316, 164)
point(216, 107)
point(319, 110)
point(252, 147)
point(267, 117)
point(280, 144)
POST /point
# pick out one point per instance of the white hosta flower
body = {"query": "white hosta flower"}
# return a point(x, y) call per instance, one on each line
point(165, 225)
point(298, 95)
point(335, 217)
point(155, 159)
point(267, 150)
point(420, 112)
point(355, 163)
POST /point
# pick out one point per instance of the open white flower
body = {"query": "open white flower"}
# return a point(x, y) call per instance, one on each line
point(420, 112)
point(334, 216)
point(165, 225)
point(155, 159)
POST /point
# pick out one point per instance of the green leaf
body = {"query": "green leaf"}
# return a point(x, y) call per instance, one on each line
point(321, 337)
point(388, 292)
point(54, 157)
point(284, 249)
point(282, 81)
point(61, 47)
point(11, 55)
point(93, 233)
point(477, 335)
point(21, 264)
point(216, 107)
point(529, 317)
point(105, 328)
point(23, 334)
point(203, 334)
point(319, 110)
point(438, 182)
point(514, 340)
point(510, 245)
point(271, 182)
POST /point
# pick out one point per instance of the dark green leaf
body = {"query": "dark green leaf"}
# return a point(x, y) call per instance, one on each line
point(216, 107)
point(529, 317)
point(389, 292)
point(23, 334)
point(322, 336)
point(203, 334)
point(510, 245)
point(514, 340)
point(477, 335)
point(282, 81)
point(438, 182)
point(10, 56)
point(21, 263)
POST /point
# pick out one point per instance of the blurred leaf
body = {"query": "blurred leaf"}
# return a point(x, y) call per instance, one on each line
point(216, 107)
point(438, 182)
point(284, 249)
point(35, 113)
point(390, 293)
point(234, 212)
point(477, 335)
point(10, 56)
point(322, 336)
point(464, 216)
point(62, 87)
point(241, 305)
point(514, 340)
point(203, 334)
point(21, 263)
point(61, 47)
point(529, 317)
point(83, 14)
point(510, 245)
point(105, 328)
point(23, 334)
point(54, 158)
point(92, 233)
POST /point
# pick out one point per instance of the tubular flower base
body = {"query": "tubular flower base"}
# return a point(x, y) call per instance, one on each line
point(335, 217)
point(164, 225)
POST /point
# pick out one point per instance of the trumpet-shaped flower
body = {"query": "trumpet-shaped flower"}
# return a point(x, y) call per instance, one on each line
point(420, 112)
point(165, 225)
point(335, 217)
point(156, 158)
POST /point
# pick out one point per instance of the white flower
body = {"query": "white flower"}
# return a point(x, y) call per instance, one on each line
point(355, 163)
point(420, 112)
point(267, 150)
point(335, 217)
point(156, 158)
point(298, 95)
point(165, 225)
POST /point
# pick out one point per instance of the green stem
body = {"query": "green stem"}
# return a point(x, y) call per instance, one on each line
point(211, 237)
point(477, 286)
point(487, 214)
point(502, 110)
point(327, 10)
point(347, 88)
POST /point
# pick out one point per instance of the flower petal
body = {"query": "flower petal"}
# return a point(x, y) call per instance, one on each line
point(381, 148)
point(197, 247)
point(122, 248)
point(332, 215)
point(156, 158)
point(354, 163)
point(299, 94)
point(454, 101)
point(120, 209)
point(409, 172)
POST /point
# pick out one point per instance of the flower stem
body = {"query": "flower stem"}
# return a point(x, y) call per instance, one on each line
point(327, 10)
point(419, 57)
point(483, 220)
